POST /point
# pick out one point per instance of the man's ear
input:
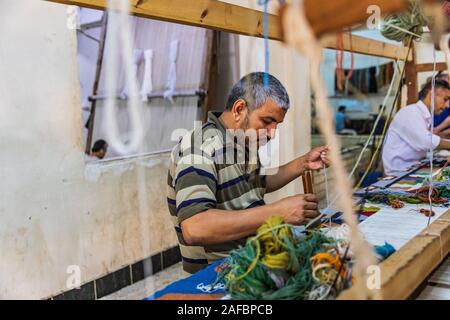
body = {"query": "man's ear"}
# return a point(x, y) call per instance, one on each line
point(239, 110)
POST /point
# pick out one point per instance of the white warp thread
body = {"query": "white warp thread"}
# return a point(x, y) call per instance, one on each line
point(147, 84)
point(172, 76)
point(119, 26)
point(137, 58)
point(431, 154)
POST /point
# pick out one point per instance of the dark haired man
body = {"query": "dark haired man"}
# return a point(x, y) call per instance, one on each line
point(215, 185)
point(409, 136)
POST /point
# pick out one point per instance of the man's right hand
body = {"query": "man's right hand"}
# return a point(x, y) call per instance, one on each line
point(298, 209)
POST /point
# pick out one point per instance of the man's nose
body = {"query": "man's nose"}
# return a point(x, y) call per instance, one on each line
point(271, 132)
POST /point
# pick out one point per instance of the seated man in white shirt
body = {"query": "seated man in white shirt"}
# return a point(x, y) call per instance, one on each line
point(409, 135)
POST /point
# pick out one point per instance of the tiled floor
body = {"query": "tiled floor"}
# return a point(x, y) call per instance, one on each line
point(148, 286)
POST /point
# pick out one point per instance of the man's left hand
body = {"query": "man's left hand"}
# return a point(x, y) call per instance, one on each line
point(316, 159)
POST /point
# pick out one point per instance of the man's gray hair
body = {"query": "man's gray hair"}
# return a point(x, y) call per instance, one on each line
point(252, 89)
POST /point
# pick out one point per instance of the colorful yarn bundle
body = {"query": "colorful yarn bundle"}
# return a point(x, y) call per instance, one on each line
point(326, 266)
point(275, 264)
point(440, 196)
point(399, 27)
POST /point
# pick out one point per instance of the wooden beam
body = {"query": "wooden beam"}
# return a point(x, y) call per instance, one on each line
point(427, 67)
point(404, 271)
point(217, 15)
point(337, 15)
point(368, 46)
point(411, 81)
point(211, 14)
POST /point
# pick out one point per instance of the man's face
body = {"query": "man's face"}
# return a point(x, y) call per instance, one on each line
point(441, 102)
point(264, 121)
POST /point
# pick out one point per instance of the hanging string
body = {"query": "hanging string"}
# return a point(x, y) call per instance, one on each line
point(119, 25)
point(339, 60)
point(444, 46)
point(327, 195)
point(266, 41)
point(340, 74)
point(433, 82)
point(352, 60)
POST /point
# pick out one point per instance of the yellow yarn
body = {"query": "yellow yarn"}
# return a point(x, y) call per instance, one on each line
point(269, 237)
point(275, 254)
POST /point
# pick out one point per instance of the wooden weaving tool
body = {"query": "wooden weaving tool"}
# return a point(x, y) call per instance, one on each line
point(308, 188)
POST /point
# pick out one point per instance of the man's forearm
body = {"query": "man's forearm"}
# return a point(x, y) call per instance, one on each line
point(445, 134)
point(218, 226)
point(444, 144)
point(285, 174)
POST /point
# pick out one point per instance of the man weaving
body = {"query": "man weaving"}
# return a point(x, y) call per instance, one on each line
point(215, 185)
point(409, 136)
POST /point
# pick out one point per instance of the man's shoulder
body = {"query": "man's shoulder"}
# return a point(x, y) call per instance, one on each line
point(408, 112)
point(202, 141)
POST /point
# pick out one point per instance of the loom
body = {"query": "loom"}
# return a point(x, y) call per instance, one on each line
point(420, 266)
point(420, 248)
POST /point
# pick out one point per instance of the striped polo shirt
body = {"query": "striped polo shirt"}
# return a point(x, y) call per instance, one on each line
point(208, 169)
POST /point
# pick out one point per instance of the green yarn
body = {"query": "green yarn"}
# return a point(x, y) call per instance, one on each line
point(263, 283)
point(412, 21)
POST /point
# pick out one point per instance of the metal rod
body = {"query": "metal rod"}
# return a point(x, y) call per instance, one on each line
point(198, 93)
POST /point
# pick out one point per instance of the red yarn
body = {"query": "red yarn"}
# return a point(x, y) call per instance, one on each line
point(340, 75)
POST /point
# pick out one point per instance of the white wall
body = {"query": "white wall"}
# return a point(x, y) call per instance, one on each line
point(54, 211)
point(424, 54)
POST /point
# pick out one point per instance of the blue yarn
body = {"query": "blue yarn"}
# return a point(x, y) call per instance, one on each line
point(385, 250)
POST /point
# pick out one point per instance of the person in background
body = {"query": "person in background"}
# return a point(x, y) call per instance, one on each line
point(341, 120)
point(99, 149)
point(409, 138)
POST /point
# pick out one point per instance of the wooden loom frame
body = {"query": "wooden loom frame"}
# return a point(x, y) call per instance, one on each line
point(221, 16)
point(406, 269)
